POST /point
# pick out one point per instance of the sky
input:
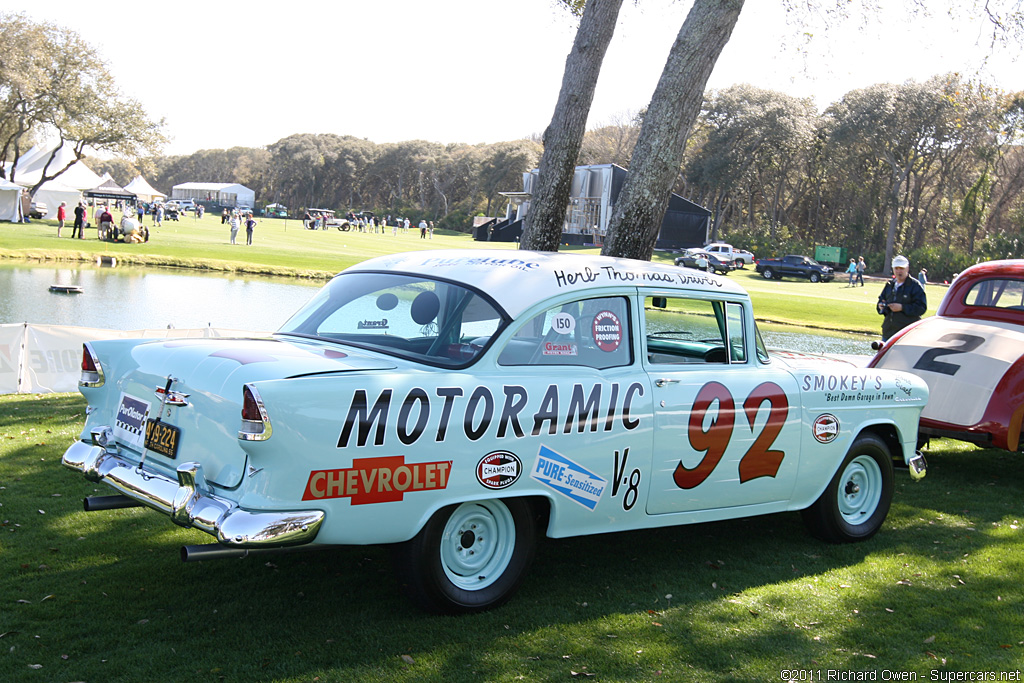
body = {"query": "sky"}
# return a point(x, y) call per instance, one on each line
point(224, 73)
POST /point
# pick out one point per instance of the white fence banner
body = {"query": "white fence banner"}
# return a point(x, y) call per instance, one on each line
point(48, 358)
point(12, 338)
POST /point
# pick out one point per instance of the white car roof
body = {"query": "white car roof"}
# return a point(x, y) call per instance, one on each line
point(519, 279)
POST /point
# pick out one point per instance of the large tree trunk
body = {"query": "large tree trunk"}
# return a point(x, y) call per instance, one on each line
point(673, 110)
point(564, 135)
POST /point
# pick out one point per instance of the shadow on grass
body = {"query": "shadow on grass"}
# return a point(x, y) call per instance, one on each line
point(748, 597)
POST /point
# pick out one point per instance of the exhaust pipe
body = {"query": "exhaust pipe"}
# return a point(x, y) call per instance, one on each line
point(216, 551)
point(94, 503)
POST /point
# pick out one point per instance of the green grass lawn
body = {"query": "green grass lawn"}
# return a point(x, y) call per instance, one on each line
point(283, 247)
point(102, 596)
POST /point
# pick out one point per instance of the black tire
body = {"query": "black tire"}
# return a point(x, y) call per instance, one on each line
point(856, 501)
point(767, 274)
point(815, 277)
point(469, 557)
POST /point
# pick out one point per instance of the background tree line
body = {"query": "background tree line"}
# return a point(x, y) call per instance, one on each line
point(939, 164)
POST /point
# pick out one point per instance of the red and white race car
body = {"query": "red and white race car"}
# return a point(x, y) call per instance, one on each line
point(971, 354)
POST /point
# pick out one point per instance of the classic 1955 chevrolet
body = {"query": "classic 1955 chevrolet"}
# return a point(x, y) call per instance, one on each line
point(457, 404)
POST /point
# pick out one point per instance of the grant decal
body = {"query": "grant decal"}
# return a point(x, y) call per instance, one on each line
point(498, 470)
point(557, 349)
point(569, 478)
point(377, 480)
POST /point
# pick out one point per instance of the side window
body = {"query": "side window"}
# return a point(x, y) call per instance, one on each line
point(680, 331)
point(737, 346)
point(593, 333)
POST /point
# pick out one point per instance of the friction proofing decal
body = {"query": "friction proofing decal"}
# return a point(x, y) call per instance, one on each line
point(826, 428)
point(568, 478)
point(377, 480)
point(498, 470)
point(607, 331)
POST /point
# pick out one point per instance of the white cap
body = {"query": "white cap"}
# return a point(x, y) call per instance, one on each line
point(900, 262)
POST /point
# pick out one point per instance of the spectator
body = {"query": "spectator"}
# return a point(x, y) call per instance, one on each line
point(250, 225)
point(79, 226)
point(61, 215)
point(902, 300)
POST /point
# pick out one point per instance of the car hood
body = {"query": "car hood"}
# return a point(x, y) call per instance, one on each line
point(798, 360)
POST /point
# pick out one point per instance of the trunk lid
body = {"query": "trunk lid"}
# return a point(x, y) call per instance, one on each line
point(201, 417)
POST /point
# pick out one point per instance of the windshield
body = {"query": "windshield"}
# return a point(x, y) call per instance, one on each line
point(431, 321)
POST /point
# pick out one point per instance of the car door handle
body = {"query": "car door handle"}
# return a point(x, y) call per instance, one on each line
point(665, 382)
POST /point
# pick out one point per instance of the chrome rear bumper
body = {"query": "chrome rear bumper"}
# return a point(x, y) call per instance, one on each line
point(188, 500)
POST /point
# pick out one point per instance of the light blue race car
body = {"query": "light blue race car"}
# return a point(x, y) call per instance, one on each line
point(458, 404)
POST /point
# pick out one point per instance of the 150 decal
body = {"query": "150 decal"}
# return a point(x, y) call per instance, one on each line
point(760, 460)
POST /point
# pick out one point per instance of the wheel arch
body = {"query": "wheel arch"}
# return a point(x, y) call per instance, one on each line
point(539, 503)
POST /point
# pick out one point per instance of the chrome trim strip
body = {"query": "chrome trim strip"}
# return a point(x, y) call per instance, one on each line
point(188, 500)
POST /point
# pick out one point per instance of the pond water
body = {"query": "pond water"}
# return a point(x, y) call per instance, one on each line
point(126, 298)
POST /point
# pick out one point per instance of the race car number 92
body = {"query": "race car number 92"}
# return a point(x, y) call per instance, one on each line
point(760, 460)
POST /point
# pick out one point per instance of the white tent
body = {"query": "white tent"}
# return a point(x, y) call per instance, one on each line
point(79, 176)
point(52, 193)
point(10, 201)
point(143, 189)
point(225, 194)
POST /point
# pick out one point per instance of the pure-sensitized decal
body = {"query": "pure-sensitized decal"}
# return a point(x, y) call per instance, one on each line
point(499, 470)
point(377, 480)
point(568, 478)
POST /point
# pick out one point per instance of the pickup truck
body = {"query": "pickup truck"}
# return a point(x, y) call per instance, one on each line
point(794, 266)
point(726, 252)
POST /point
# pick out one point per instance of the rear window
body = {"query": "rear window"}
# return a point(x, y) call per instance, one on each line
point(432, 321)
point(997, 293)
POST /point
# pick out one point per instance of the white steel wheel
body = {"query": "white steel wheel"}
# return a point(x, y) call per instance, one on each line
point(469, 557)
point(856, 502)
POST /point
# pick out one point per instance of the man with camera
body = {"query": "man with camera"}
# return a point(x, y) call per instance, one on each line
point(902, 300)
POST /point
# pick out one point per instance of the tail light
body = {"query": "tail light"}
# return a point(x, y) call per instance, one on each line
point(92, 372)
point(255, 421)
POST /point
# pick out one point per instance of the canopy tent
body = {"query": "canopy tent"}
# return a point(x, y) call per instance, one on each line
point(52, 193)
point(10, 201)
point(29, 168)
point(144, 190)
point(110, 190)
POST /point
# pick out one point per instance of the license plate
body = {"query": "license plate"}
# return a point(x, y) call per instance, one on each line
point(162, 438)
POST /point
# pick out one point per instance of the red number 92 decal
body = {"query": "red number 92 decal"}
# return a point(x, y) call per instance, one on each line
point(759, 460)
